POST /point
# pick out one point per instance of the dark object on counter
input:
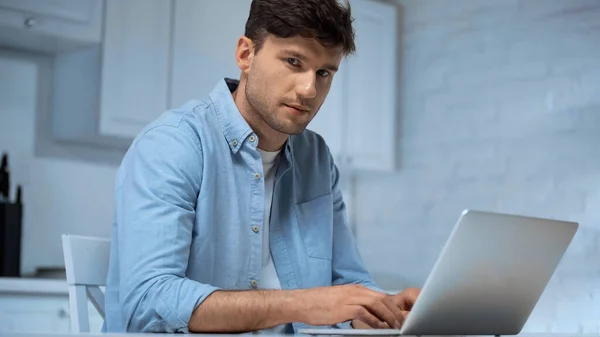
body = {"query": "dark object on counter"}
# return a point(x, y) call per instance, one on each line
point(4, 179)
point(18, 195)
point(11, 220)
point(11, 215)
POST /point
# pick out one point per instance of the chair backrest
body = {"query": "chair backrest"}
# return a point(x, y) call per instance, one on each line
point(86, 266)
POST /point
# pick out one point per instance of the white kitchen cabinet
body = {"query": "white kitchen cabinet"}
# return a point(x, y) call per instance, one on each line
point(135, 65)
point(50, 26)
point(372, 90)
point(34, 313)
point(105, 95)
point(38, 306)
point(155, 55)
point(358, 118)
point(204, 41)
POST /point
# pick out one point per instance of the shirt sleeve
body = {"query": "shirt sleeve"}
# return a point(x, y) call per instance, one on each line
point(155, 214)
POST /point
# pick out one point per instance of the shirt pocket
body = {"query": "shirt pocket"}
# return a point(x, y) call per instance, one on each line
point(315, 219)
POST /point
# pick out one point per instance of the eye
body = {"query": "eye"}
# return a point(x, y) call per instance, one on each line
point(292, 61)
point(323, 73)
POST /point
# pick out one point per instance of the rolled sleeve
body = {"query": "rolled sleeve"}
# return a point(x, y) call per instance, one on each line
point(155, 214)
point(177, 311)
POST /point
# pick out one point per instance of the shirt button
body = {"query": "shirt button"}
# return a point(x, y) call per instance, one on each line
point(252, 138)
point(255, 229)
point(234, 142)
point(256, 175)
point(254, 284)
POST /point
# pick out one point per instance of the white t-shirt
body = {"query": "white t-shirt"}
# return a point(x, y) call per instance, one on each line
point(268, 276)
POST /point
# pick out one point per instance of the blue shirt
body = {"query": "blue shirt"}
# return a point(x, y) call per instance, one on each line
point(189, 192)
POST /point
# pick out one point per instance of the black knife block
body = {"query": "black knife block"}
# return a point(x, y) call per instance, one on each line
point(11, 216)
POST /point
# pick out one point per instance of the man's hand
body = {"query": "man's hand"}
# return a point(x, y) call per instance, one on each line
point(332, 305)
point(243, 311)
point(404, 301)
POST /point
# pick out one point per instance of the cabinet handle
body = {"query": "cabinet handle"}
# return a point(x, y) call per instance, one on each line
point(30, 22)
point(62, 313)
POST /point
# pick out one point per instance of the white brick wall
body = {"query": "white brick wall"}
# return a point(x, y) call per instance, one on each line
point(499, 109)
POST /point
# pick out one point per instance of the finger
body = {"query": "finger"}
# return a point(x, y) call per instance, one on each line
point(395, 309)
point(407, 298)
point(383, 313)
point(362, 314)
point(410, 298)
point(405, 314)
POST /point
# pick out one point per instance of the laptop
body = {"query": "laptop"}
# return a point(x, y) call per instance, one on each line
point(488, 277)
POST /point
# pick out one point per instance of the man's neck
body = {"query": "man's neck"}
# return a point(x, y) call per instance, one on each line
point(269, 139)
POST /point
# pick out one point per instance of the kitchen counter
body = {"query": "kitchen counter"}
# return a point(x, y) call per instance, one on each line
point(32, 306)
point(16, 285)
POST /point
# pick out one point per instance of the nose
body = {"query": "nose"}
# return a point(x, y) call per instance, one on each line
point(306, 87)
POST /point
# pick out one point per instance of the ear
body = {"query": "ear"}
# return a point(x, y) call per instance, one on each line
point(244, 53)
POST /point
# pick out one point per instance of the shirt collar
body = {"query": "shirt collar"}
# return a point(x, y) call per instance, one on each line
point(234, 126)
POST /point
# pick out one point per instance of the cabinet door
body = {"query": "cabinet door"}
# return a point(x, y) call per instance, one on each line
point(371, 113)
point(135, 65)
point(50, 26)
point(34, 313)
point(330, 120)
point(204, 45)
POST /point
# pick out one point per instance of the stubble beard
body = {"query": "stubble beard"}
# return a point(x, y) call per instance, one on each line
point(258, 99)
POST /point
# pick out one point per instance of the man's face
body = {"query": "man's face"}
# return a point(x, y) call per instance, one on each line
point(288, 81)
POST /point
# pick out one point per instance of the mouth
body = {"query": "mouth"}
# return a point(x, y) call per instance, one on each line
point(297, 109)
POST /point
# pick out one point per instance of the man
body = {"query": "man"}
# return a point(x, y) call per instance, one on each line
point(229, 217)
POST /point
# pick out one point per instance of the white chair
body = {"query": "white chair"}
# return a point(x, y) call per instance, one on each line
point(86, 264)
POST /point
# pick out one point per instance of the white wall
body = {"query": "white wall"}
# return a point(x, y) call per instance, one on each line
point(500, 110)
point(59, 196)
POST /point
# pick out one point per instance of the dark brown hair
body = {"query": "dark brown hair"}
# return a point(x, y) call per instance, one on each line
point(327, 21)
